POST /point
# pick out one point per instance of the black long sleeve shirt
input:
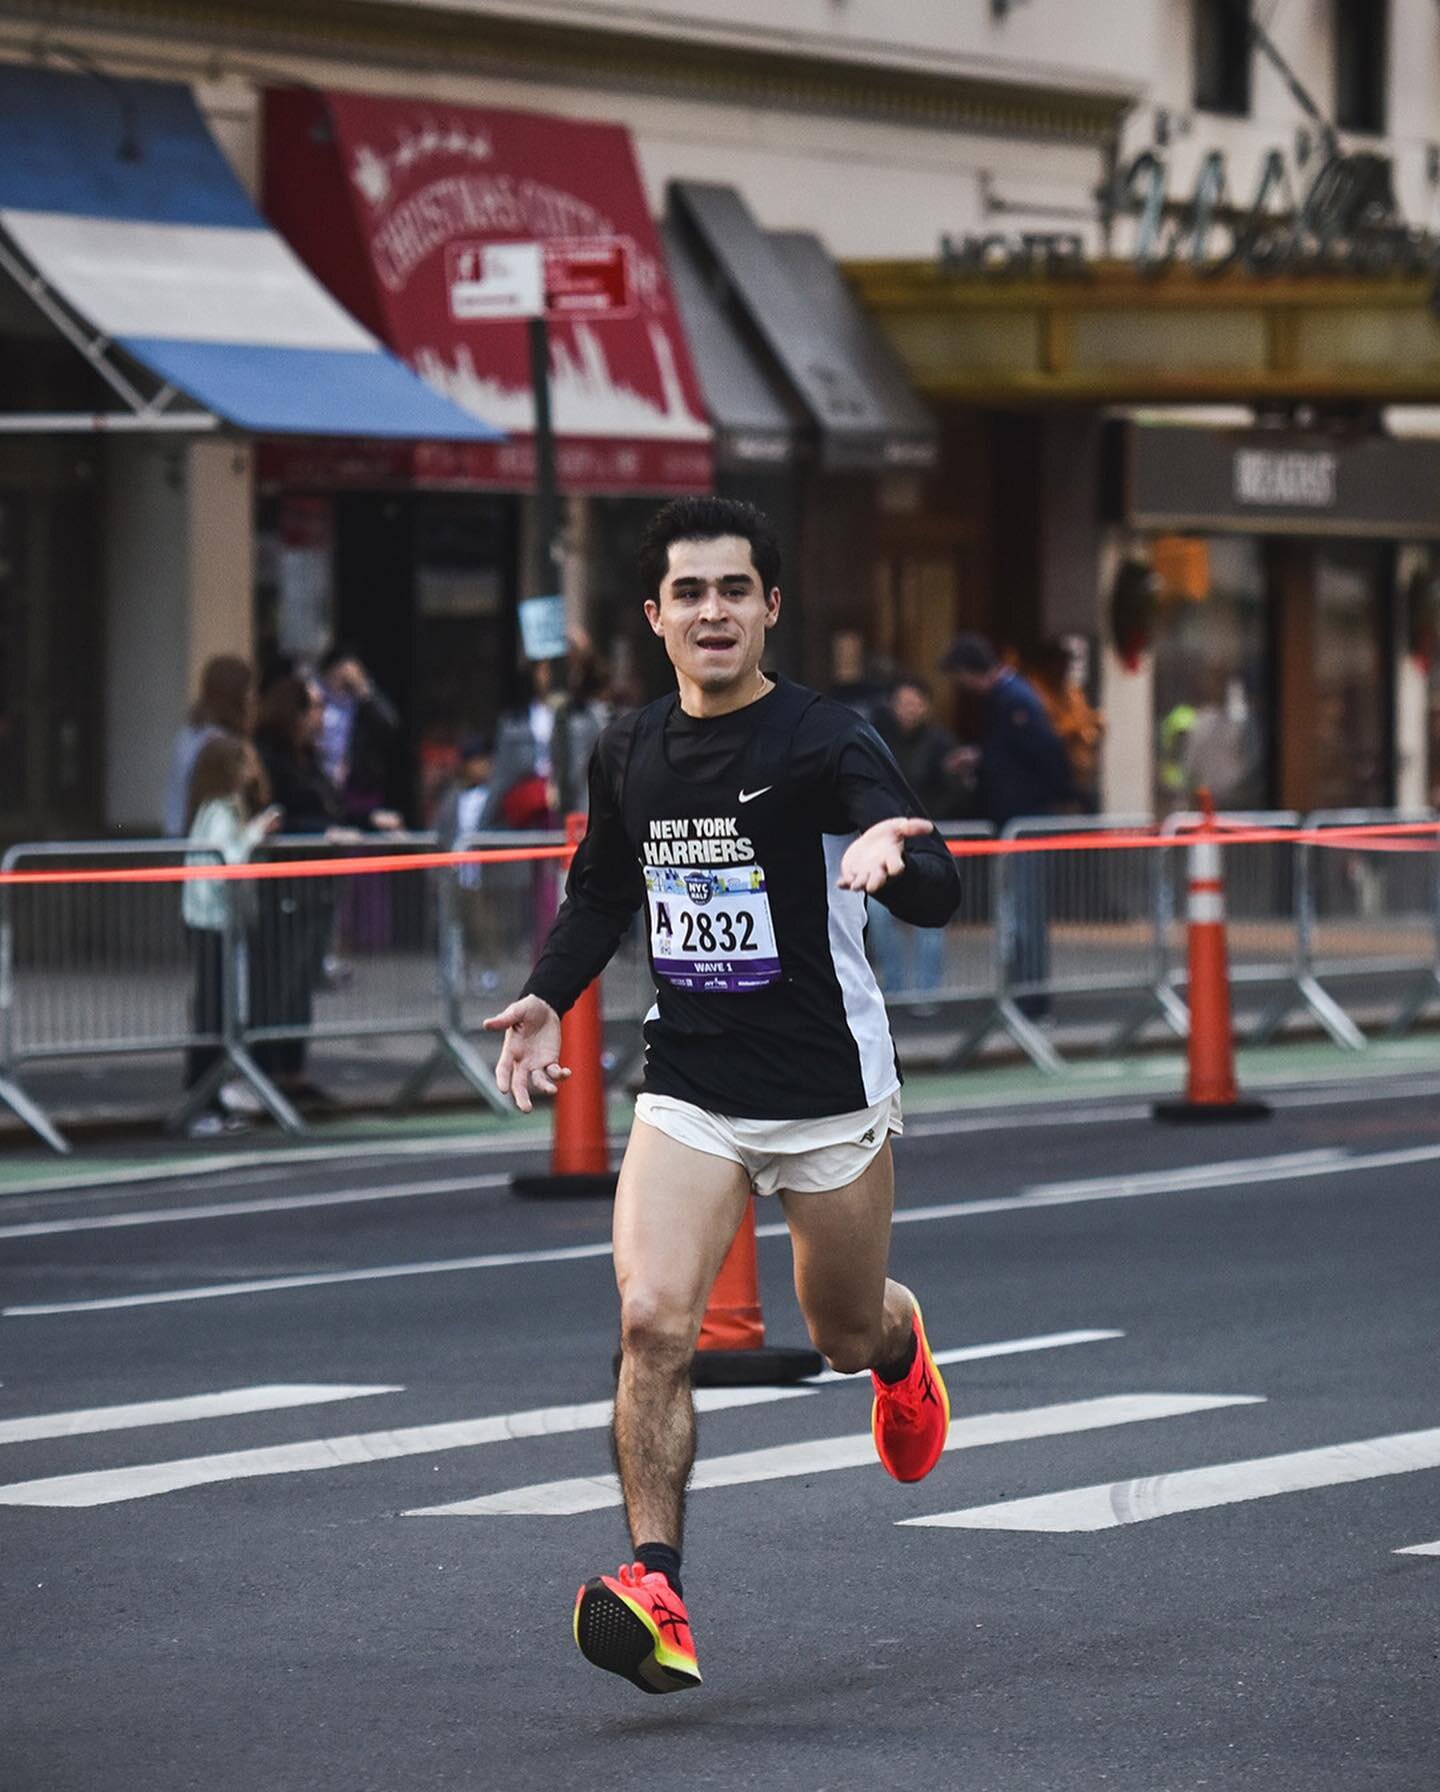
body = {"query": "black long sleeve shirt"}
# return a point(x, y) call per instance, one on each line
point(729, 832)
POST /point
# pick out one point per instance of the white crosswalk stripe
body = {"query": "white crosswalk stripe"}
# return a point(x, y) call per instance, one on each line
point(552, 1499)
point(1418, 1549)
point(106, 1486)
point(184, 1409)
point(1103, 1507)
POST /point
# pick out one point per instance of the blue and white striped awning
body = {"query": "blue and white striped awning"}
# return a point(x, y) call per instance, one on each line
point(118, 199)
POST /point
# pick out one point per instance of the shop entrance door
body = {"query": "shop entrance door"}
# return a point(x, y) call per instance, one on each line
point(51, 643)
point(924, 596)
point(1333, 613)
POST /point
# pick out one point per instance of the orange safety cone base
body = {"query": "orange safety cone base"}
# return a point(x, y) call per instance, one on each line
point(552, 1187)
point(1243, 1107)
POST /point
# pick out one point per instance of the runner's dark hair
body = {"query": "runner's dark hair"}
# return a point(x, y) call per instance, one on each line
point(707, 519)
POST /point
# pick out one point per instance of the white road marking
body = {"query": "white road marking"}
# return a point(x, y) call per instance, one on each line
point(1418, 1549)
point(974, 1353)
point(332, 1452)
point(1001, 1114)
point(553, 1499)
point(106, 1486)
point(318, 1156)
point(1249, 1172)
point(220, 1210)
point(1104, 1507)
point(178, 1411)
point(389, 1272)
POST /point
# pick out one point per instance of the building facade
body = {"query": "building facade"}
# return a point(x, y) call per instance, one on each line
point(1030, 200)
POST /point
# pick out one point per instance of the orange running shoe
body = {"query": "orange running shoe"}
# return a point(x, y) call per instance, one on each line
point(636, 1624)
point(910, 1419)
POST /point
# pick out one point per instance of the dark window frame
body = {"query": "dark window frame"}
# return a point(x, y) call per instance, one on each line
point(1223, 57)
point(1361, 35)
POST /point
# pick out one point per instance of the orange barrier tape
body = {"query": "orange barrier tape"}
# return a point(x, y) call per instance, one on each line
point(175, 874)
point(1370, 833)
point(1391, 836)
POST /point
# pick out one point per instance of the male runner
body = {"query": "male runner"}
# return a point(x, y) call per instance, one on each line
point(750, 818)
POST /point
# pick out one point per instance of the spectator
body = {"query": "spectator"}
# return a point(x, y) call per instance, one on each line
point(483, 893)
point(910, 959)
point(1080, 726)
point(229, 813)
point(224, 706)
point(578, 721)
point(359, 732)
point(1021, 770)
point(296, 916)
point(523, 754)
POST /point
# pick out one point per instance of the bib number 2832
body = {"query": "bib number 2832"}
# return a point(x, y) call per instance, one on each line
point(711, 929)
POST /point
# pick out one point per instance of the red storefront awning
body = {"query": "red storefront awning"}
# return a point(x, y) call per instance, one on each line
point(389, 202)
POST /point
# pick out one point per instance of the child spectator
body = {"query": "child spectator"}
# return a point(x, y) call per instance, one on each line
point(227, 812)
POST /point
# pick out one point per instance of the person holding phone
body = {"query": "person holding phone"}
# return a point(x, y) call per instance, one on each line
point(228, 812)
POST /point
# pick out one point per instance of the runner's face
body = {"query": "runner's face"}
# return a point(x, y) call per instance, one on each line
point(713, 614)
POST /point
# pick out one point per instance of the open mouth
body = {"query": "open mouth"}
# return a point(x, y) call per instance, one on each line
point(715, 643)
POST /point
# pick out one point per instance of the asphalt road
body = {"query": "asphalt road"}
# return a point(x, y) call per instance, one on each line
point(251, 1592)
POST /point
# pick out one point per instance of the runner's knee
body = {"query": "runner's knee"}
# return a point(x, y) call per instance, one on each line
point(655, 1329)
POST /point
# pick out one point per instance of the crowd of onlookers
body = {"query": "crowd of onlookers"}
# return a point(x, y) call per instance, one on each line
point(321, 753)
point(1031, 747)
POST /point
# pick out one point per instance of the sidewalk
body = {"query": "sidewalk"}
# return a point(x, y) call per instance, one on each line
point(467, 1129)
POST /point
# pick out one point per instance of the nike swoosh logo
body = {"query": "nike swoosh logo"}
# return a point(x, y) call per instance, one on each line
point(748, 796)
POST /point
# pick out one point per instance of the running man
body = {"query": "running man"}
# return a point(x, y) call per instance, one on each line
point(749, 818)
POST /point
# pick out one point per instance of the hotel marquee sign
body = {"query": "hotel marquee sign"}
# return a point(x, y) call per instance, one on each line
point(1342, 220)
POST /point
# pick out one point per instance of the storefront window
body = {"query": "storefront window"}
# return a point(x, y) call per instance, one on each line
point(13, 659)
point(1347, 725)
point(1212, 675)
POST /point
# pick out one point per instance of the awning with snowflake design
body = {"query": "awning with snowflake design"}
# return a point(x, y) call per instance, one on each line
point(394, 202)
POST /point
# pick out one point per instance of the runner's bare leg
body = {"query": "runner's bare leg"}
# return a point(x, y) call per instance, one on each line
point(857, 1316)
point(676, 1211)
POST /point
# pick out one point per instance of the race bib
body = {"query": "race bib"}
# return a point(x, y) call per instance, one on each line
point(710, 928)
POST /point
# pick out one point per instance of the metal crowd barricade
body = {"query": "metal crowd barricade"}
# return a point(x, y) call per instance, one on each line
point(366, 956)
point(1068, 923)
point(500, 918)
point(109, 969)
point(1363, 910)
point(1260, 898)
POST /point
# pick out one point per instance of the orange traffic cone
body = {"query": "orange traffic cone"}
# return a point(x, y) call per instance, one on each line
point(732, 1351)
point(580, 1151)
point(1210, 1090)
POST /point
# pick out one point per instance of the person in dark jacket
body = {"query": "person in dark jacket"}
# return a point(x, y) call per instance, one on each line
point(296, 915)
point(1022, 769)
point(358, 736)
point(910, 959)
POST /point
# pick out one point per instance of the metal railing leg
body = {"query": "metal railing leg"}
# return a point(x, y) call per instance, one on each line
point(451, 1046)
point(1008, 904)
point(32, 1115)
point(236, 1022)
point(27, 1110)
point(1336, 1022)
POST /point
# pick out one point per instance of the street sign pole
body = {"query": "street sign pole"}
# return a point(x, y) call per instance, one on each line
point(544, 578)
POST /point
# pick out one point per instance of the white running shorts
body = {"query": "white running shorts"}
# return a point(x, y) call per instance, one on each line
point(808, 1156)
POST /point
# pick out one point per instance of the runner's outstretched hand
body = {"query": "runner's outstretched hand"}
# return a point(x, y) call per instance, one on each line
point(879, 853)
point(531, 1052)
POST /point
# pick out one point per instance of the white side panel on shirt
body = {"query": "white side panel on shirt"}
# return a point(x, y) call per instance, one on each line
point(864, 1005)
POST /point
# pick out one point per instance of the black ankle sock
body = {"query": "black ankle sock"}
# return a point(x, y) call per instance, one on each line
point(890, 1373)
point(659, 1558)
